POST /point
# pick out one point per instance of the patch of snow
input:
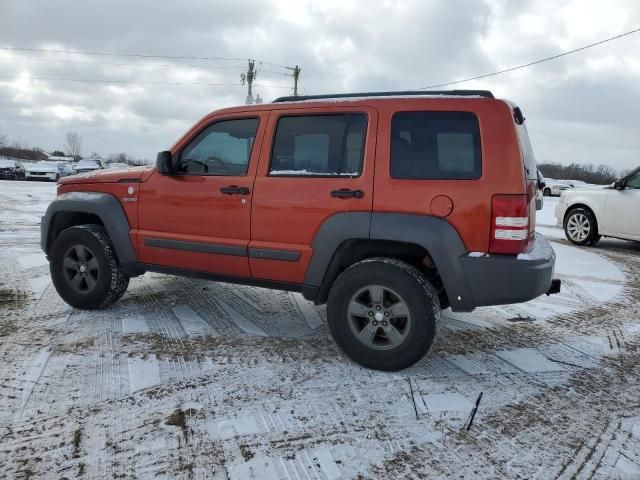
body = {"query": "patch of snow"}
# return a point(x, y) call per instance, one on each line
point(34, 260)
point(193, 324)
point(306, 309)
point(134, 325)
point(32, 373)
point(539, 250)
point(305, 172)
point(447, 402)
point(529, 360)
point(232, 427)
point(39, 284)
point(80, 196)
point(143, 373)
point(477, 254)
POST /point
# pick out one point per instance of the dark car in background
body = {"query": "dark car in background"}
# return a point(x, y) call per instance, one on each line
point(11, 170)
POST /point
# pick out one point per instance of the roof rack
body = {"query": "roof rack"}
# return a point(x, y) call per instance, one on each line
point(456, 93)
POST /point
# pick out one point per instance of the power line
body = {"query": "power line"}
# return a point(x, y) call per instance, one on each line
point(139, 55)
point(118, 64)
point(88, 80)
point(511, 69)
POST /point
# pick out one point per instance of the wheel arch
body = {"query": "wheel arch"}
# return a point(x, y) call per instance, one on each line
point(430, 243)
point(585, 206)
point(77, 208)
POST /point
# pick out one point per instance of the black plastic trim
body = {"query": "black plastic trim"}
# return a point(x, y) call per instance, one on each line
point(255, 282)
point(196, 247)
point(503, 279)
point(334, 231)
point(270, 254)
point(104, 206)
point(440, 239)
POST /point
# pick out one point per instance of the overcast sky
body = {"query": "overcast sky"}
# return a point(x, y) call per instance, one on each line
point(582, 108)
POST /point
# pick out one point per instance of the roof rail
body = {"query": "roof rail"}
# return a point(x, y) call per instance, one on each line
point(456, 93)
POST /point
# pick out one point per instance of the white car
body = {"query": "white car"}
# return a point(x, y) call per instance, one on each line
point(47, 170)
point(586, 214)
point(88, 165)
point(553, 188)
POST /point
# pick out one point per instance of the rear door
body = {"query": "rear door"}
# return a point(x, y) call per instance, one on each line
point(315, 163)
point(199, 219)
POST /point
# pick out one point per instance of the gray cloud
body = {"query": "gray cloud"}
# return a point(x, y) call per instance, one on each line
point(580, 108)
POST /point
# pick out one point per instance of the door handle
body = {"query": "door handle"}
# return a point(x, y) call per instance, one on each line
point(234, 190)
point(346, 193)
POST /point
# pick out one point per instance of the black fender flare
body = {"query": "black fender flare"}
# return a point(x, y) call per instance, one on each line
point(104, 206)
point(435, 235)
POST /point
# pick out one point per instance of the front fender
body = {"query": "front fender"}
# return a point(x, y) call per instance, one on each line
point(595, 201)
point(104, 206)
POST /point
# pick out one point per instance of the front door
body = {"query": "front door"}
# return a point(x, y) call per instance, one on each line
point(621, 210)
point(199, 218)
point(318, 164)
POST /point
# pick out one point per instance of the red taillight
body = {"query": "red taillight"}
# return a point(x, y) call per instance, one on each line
point(510, 222)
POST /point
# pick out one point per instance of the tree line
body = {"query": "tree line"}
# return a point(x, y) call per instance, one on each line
point(600, 174)
point(72, 147)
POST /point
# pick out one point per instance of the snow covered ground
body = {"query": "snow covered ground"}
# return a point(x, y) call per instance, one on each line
point(190, 379)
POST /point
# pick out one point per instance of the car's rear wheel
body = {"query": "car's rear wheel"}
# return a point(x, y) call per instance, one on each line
point(581, 227)
point(383, 313)
point(84, 268)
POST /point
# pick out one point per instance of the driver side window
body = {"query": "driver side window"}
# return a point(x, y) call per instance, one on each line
point(223, 149)
point(634, 181)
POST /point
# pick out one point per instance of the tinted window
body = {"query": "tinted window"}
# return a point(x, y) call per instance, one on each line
point(435, 145)
point(323, 145)
point(634, 181)
point(224, 148)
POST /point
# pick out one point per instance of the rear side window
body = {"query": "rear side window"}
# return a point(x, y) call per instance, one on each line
point(435, 145)
point(528, 157)
point(319, 145)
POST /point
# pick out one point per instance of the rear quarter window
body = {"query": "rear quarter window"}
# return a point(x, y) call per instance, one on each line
point(435, 146)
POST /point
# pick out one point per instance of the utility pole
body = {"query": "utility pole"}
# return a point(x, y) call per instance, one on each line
point(296, 74)
point(249, 78)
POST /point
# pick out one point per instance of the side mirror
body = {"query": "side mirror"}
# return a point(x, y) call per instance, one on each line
point(619, 185)
point(166, 164)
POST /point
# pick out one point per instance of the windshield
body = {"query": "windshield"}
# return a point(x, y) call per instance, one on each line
point(7, 163)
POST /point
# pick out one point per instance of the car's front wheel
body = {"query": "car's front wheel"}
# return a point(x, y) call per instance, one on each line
point(546, 192)
point(383, 313)
point(84, 268)
point(581, 227)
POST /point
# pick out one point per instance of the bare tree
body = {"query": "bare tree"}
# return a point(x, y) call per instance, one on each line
point(73, 147)
point(3, 140)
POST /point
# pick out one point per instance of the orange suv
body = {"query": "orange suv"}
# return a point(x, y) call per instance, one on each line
point(386, 206)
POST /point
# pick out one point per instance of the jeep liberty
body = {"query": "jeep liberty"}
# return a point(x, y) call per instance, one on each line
point(386, 206)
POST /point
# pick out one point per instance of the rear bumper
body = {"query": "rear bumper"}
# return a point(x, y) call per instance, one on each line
point(505, 279)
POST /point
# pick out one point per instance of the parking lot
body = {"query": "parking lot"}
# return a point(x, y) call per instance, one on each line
point(186, 378)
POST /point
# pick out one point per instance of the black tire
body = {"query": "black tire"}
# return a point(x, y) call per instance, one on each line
point(416, 294)
point(546, 192)
point(108, 282)
point(581, 227)
point(57, 177)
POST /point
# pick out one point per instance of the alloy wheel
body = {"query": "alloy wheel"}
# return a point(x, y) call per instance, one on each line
point(81, 270)
point(379, 317)
point(578, 227)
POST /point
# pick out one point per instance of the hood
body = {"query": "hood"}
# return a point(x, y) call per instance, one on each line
point(106, 176)
point(42, 168)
